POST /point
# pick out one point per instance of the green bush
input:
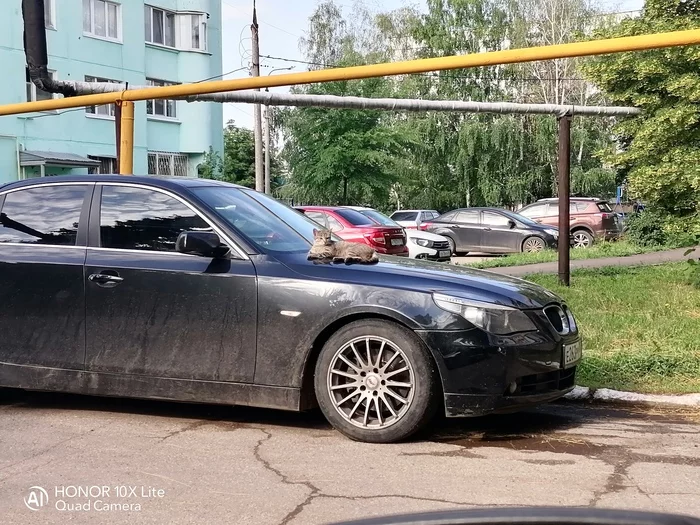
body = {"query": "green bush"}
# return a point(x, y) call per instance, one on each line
point(656, 228)
point(646, 229)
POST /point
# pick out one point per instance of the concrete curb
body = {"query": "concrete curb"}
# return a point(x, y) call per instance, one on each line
point(582, 393)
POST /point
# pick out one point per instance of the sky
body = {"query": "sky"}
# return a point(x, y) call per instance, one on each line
point(282, 23)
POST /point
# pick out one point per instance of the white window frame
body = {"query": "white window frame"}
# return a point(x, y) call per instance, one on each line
point(171, 162)
point(203, 31)
point(50, 9)
point(150, 112)
point(108, 110)
point(105, 5)
point(32, 89)
point(185, 23)
point(148, 12)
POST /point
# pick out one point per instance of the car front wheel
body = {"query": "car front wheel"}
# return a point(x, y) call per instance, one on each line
point(375, 382)
point(534, 244)
point(582, 239)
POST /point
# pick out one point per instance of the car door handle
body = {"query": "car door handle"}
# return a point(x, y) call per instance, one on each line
point(105, 279)
point(487, 229)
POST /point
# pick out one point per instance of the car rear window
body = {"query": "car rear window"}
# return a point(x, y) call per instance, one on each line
point(604, 206)
point(404, 215)
point(46, 215)
point(354, 217)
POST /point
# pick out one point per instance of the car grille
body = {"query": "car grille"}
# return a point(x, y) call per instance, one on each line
point(546, 382)
point(441, 245)
point(561, 319)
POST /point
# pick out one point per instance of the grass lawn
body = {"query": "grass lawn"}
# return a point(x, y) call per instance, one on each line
point(640, 327)
point(598, 250)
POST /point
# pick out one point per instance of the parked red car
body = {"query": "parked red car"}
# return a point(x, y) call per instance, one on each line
point(351, 225)
point(591, 219)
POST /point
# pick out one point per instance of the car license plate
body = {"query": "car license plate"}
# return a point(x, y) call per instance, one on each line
point(397, 242)
point(572, 353)
point(444, 253)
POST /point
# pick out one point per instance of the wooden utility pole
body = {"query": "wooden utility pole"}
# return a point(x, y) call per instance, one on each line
point(564, 200)
point(259, 169)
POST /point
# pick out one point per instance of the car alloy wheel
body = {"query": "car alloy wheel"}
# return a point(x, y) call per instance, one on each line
point(371, 382)
point(582, 239)
point(533, 244)
point(376, 382)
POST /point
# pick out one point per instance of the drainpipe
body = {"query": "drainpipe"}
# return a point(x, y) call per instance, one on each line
point(35, 49)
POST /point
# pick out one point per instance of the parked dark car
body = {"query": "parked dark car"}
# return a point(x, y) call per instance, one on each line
point(591, 219)
point(492, 230)
point(200, 291)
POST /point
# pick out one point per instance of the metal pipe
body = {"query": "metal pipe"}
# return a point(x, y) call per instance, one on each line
point(511, 56)
point(564, 192)
point(268, 175)
point(397, 104)
point(35, 49)
point(118, 129)
point(126, 145)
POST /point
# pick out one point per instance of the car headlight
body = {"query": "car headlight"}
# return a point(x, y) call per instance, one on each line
point(553, 233)
point(423, 242)
point(492, 318)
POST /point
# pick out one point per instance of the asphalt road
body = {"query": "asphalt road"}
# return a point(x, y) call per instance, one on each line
point(203, 464)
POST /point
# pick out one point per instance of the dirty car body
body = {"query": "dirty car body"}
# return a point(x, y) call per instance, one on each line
point(99, 298)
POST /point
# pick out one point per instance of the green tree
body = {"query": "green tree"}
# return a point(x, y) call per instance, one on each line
point(660, 148)
point(238, 163)
point(342, 156)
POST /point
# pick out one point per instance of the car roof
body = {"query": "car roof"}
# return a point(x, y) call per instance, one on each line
point(326, 208)
point(588, 199)
point(424, 209)
point(478, 208)
point(151, 180)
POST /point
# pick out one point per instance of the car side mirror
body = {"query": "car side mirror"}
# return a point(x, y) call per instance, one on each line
point(511, 224)
point(204, 244)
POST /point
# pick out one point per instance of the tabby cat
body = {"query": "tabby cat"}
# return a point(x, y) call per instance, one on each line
point(325, 248)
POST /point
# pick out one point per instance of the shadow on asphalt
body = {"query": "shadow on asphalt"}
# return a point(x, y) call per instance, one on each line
point(532, 429)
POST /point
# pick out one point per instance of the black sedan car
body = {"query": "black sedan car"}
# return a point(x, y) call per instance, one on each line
point(492, 230)
point(199, 291)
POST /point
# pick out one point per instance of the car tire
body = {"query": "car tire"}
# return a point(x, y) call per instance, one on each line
point(453, 245)
point(582, 239)
point(368, 411)
point(533, 244)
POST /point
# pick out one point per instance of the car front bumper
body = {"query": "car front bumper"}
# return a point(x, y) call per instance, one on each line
point(482, 375)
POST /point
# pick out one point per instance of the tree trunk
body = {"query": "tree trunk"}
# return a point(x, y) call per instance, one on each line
point(345, 192)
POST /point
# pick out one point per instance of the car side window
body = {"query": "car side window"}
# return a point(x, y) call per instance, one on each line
point(143, 219)
point(553, 209)
point(496, 220)
point(447, 217)
point(468, 217)
point(539, 210)
point(48, 215)
point(333, 223)
point(316, 216)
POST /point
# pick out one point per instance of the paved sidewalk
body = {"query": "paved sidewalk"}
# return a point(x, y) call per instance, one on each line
point(642, 259)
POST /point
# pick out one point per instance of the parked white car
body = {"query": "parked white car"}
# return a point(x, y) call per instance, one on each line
point(421, 244)
point(412, 219)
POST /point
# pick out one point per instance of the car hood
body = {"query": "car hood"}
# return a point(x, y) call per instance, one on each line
point(427, 277)
point(418, 234)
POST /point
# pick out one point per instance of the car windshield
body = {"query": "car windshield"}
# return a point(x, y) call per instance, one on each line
point(354, 217)
point(267, 223)
point(521, 218)
point(404, 215)
point(379, 218)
